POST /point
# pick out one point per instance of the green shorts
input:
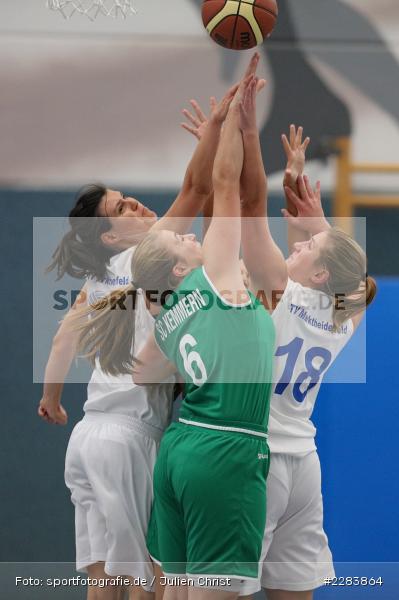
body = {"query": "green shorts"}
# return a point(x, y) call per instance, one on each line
point(209, 509)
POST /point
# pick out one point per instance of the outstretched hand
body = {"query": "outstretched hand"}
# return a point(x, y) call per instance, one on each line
point(250, 72)
point(310, 215)
point(248, 106)
point(295, 151)
point(218, 113)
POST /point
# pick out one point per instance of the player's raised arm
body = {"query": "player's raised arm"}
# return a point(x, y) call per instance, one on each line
point(262, 257)
point(198, 122)
point(295, 151)
point(197, 185)
point(221, 247)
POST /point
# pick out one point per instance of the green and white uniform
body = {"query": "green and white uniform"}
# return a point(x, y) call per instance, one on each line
point(209, 480)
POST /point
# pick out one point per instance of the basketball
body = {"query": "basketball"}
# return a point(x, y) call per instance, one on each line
point(238, 24)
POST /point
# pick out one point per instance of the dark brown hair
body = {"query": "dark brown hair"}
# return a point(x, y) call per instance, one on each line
point(81, 252)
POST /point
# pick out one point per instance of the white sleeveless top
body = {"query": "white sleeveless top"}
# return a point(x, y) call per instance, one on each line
point(119, 395)
point(305, 348)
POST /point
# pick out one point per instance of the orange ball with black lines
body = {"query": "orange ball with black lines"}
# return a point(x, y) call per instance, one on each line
point(239, 24)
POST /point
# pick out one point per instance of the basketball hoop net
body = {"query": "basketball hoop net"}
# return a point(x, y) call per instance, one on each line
point(93, 8)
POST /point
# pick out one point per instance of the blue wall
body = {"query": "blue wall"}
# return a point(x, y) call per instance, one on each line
point(358, 444)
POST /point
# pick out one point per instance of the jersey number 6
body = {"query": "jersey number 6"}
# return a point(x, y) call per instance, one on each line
point(192, 359)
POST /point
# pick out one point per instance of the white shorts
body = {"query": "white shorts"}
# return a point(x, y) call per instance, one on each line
point(108, 469)
point(295, 553)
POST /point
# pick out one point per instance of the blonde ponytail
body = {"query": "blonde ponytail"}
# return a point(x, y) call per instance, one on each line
point(107, 331)
point(371, 289)
point(354, 303)
point(346, 263)
point(107, 328)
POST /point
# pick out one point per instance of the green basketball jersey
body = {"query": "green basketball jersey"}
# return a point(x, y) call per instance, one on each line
point(223, 351)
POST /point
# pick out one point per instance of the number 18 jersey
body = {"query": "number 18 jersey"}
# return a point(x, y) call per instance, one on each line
point(306, 346)
point(223, 351)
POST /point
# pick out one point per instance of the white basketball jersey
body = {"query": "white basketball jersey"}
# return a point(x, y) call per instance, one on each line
point(106, 393)
point(306, 346)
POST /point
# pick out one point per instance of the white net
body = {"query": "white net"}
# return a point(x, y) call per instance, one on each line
point(93, 8)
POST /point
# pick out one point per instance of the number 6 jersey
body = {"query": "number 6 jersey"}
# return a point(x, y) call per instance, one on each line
point(224, 352)
point(306, 346)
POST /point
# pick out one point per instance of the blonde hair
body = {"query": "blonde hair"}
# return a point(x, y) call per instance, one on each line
point(348, 282)
point(152, 265)
point(108, 335)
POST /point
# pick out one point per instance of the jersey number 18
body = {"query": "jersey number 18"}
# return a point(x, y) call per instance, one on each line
point(292, 350)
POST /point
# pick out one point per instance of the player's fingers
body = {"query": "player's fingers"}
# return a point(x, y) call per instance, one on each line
point(191, 117)
point(286, 145)
point(248, 93)
point(46, 417)
point(292, 135)
point(298, 138)
point(305, 144)
point(44, 414)
point(190, 129)
point(232, 91)
point(291, 195)
point(247, 81)
point(302, 189)
point(254, 92)
point(229, 97)
point(241, 108)
point(253, 88)
point(318, 189)
point(261, 85)
point(253, 63)
point(198, 110)
point(227, 102)
point(308, 185)
point(212, 103)
point(226, 105)
point(244, 87)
